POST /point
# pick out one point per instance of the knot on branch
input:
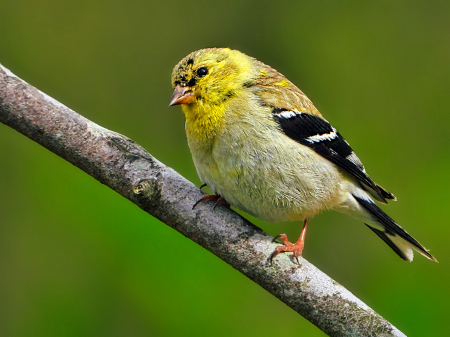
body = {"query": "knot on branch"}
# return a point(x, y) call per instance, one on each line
point(147, 191)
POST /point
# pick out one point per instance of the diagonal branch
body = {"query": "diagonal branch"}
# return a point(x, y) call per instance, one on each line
point(128, 169)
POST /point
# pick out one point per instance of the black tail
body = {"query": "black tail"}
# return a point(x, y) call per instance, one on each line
point(396, 237)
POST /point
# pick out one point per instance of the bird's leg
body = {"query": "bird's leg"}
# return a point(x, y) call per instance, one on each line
point(221, 201)
point(295, 248)
point(215, 197)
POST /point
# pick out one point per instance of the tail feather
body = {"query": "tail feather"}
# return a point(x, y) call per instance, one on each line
point(396, 237)
point(405, 254)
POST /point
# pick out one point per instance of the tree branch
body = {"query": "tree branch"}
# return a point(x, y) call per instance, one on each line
point(128, 169)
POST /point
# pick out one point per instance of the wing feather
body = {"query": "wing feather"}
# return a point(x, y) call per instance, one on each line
point(316, 133)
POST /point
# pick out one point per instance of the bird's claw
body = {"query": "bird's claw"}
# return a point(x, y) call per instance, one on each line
point(295, 248)
point(215, 197)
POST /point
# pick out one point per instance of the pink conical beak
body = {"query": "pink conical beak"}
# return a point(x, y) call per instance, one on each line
point(182, 95)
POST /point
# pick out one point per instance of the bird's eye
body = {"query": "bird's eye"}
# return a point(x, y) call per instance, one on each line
point(183, 77)
point(202, 72)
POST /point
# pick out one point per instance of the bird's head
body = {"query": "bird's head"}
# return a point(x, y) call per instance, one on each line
point(210, 76)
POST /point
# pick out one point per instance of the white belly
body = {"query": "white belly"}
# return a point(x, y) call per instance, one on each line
point(268, 175)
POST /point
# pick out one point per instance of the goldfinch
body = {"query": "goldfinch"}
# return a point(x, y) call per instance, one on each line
point(262, 146)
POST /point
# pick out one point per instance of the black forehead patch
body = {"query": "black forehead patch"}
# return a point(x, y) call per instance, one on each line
point(191, 82)
point(190, 61)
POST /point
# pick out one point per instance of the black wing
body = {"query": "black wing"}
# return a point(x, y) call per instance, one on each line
point(319, 135)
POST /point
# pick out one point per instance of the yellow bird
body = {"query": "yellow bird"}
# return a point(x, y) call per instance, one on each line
point(262, 146)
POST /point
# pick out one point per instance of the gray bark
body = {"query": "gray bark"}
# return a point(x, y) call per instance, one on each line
point(128, 169)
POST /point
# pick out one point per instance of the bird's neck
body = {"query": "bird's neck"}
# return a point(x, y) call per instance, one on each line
point(203, 120)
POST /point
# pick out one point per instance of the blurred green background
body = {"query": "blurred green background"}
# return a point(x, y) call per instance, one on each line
point(76, 259)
